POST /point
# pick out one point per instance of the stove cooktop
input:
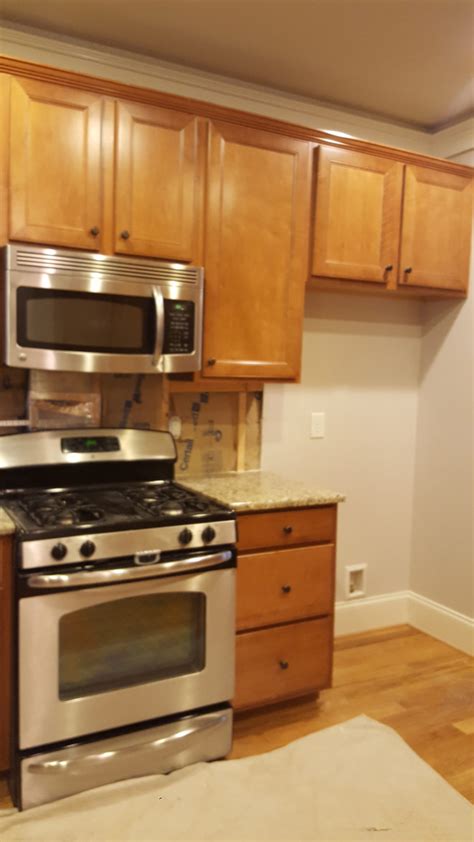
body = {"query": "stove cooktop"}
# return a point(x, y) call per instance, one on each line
point(45, 513)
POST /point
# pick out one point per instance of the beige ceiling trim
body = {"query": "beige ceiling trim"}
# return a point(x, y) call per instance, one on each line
point(123, 66)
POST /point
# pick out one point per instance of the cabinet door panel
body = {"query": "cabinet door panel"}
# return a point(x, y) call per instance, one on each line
point(357, 220)
point(256, 252)
point(284, 585)
point(157, 182)
point(55, 164)
point(282, 662)
point(436, 229)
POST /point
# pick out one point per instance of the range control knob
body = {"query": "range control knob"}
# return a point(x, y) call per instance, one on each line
point(185, 536)
point(88, 549)
point(59, 551)
point(208, 534)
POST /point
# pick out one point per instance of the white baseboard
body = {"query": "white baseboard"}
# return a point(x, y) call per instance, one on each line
point(441, 622)
point(392, 609)
point(372, 612)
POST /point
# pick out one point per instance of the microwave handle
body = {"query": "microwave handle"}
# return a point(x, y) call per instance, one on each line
point(160, 325)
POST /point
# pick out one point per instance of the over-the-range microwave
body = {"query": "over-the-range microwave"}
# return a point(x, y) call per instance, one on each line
point(69, 310)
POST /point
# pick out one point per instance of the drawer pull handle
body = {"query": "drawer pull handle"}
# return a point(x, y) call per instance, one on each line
point(284, 665)
point(286, 588)
point(287, 530)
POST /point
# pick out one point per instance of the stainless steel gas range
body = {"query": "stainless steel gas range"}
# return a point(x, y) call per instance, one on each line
point(125, 591)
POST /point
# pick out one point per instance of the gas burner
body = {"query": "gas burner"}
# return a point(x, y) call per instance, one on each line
point(61, 510)
point(171, 509)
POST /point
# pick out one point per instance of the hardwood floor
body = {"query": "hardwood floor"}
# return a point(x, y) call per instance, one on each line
point(400, 676)
point(419, 686)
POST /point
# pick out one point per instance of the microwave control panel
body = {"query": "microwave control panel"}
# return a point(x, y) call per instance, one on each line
point(179, 327)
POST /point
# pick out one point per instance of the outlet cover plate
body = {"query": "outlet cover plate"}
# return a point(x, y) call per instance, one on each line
point(318, 425)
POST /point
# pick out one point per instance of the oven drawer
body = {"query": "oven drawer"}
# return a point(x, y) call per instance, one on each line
point(284, 585)
point(287, 528)
point(282, 662)
point(155, 750)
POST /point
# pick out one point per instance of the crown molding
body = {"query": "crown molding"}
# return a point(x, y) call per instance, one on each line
point(125, 67)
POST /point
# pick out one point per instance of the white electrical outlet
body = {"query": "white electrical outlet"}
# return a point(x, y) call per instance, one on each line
point(355, 580)
point(318, 425)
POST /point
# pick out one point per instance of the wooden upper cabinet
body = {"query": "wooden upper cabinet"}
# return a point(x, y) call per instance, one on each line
point(357, 218)
point(436, 229)
point(157, 182)
point(55, 164)
point(256, 252)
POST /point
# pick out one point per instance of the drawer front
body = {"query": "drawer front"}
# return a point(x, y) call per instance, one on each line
point(284, 585)
point(287, 528)
point(282, 662)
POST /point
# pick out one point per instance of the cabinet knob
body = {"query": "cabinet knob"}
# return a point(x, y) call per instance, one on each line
point(286, 588)
point(408, 270)
point(284, 665)
point(125, 235)
point(94, 231)
point(211, 361)
point(287, 530)
point(389, 267)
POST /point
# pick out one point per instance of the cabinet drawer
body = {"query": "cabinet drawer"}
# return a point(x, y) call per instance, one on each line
point(282, 662)
point(287, 527)
point(284, 585)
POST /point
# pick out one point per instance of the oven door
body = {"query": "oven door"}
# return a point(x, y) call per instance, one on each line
point(94, 325)
point(101, 656)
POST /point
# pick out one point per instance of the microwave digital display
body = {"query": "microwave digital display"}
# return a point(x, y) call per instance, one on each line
point(179, 327)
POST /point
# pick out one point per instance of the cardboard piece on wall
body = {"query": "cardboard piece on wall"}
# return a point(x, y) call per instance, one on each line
point(253, 442)
point(208, 439)
point(132, 400)
point(13, 396)
point(58, 399)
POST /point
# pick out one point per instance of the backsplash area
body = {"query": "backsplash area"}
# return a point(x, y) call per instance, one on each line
point(214, 431)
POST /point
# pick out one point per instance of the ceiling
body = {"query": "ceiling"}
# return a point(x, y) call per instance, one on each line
point(410, 61)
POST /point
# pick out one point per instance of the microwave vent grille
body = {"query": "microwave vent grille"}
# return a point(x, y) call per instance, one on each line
point(136, 269)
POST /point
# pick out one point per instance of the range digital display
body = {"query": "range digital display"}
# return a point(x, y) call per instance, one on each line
point(98, 444)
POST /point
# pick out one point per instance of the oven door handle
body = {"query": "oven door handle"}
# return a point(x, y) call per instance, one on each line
point(126, 574)
point(179, 741)
point(160, 325)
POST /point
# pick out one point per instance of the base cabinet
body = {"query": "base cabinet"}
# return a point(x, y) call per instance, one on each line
point(282, 662)
point(285, 604)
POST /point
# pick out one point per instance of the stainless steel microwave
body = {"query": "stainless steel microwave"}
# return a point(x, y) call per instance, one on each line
point(71, 310)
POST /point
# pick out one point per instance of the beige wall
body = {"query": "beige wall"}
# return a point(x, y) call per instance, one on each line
point(442, 566)
point(360, 366)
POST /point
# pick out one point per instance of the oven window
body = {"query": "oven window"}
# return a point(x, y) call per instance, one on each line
point(81, 321)
point(131, 641)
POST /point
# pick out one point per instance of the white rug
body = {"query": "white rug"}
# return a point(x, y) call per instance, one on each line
point(355, 781)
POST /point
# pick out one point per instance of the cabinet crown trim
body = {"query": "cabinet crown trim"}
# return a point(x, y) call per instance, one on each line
point(108, 88)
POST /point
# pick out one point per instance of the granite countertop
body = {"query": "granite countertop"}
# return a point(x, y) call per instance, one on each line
point(7, 527)
point(256, 490)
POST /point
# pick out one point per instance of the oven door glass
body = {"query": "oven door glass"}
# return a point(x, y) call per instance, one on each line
point(114, 655)
point(65, 320)
point(131, 641)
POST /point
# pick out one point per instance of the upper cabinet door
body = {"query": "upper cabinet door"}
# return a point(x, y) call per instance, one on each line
point(256, 252)
point(55, 165)
point(357, 221)
point(436, 229)
point(157, 202)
